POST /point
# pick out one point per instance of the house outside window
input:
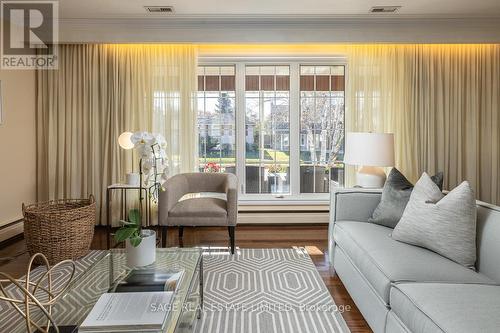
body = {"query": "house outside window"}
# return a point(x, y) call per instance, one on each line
point(216, 117)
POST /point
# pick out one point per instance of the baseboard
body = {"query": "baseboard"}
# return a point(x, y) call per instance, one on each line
point(283, 218)
point(11, 230)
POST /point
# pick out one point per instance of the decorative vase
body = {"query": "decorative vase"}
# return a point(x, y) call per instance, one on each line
point(133, 179)
point(145, 253)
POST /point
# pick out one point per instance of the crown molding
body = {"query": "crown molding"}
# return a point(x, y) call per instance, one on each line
point(280, 29)
point(167, 20)
point(285, 17)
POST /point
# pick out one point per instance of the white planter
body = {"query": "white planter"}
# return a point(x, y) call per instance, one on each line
point(145, 253)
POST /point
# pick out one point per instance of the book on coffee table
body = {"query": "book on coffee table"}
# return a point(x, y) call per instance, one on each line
point(143, 280)
point(129, 312)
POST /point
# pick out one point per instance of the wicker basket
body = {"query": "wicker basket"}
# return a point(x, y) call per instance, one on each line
point(60, 229)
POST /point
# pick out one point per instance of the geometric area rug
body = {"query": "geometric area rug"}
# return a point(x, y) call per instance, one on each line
point(11, 321)
point(266, 291)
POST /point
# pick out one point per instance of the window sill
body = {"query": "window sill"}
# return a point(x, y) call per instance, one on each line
point(284, 202)
point(269, 203)
point(283, 205)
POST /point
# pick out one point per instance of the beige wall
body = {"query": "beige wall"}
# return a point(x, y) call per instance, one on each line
point(17, 144)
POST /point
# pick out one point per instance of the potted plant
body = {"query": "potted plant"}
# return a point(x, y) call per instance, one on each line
point(274, 173)
point(212, 167)
point(140, 243)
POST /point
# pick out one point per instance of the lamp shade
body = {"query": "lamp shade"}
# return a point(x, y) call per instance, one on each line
point(369, 149)
point(124, 140)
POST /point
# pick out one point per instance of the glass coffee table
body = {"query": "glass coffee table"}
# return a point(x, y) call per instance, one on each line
point(110, 268)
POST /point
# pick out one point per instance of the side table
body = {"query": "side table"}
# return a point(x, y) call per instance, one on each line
point(124, 188)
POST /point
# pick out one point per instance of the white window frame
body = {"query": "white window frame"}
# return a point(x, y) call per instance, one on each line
point(294, 197)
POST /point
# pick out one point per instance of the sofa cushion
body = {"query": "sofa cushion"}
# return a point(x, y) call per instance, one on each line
point(199, 207)
point(395, 196)
point(441, 307)
point(443, 224)
point(383, 260)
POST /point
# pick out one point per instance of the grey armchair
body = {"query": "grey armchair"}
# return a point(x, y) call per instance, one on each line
point(203, 211)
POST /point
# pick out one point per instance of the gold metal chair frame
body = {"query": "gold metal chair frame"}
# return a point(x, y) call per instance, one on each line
point(29, 289)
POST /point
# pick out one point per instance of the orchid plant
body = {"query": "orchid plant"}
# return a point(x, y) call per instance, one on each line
point(153, 162)
point(153, 173)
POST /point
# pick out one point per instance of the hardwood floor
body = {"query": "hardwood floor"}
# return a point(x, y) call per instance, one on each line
point(314, 238)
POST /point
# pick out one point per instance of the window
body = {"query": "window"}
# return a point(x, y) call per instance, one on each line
point(267, 118)
point(321, 126)
point(216, 117)
point(279, 126)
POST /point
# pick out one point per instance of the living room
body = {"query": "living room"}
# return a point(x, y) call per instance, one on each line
point(261, 166)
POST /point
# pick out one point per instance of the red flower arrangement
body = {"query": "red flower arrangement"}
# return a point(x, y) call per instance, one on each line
point(212, 167)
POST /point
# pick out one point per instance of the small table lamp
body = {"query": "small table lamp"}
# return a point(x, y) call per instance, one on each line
point(124, 140)
point(126, 143)
point(371, 151)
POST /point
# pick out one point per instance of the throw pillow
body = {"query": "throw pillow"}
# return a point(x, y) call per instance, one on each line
point(443, 224)
point(395, 195)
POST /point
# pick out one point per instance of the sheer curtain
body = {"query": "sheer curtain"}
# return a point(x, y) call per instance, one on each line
point(378, 98)
point(441, 101)
point(100, 91)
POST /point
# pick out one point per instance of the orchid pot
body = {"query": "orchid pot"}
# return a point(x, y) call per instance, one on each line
point(143, 254)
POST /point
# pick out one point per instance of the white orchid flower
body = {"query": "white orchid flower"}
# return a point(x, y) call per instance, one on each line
point(142, 138)
point(151, 150)
point(145, 152)
point(160, 140)
point(147, 165)
point(160, 150)
point(142, 142)
point(161, 153)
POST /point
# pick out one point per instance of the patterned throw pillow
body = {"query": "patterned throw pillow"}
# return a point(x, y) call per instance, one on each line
point(395, 196)
point(443, 224)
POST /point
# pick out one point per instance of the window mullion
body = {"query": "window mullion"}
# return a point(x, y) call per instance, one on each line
point(262, 134)
point(294, 134)
point(240, 125)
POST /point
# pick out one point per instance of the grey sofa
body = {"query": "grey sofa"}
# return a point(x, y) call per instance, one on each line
point(404, 288)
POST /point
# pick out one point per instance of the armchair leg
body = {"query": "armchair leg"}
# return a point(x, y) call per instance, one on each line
point(164, 236)
point(231, 230)
point(181, 235)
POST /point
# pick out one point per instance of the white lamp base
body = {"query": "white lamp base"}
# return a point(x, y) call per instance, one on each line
point(371, 177)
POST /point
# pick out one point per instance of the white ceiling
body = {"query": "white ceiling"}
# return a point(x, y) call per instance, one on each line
point(70, 9)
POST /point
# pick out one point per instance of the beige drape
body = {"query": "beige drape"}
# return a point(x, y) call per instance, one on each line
point(100, 91)
point(441, 101)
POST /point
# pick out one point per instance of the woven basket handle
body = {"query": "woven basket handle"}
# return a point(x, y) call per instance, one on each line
point(24, 208)
point(91, 198)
